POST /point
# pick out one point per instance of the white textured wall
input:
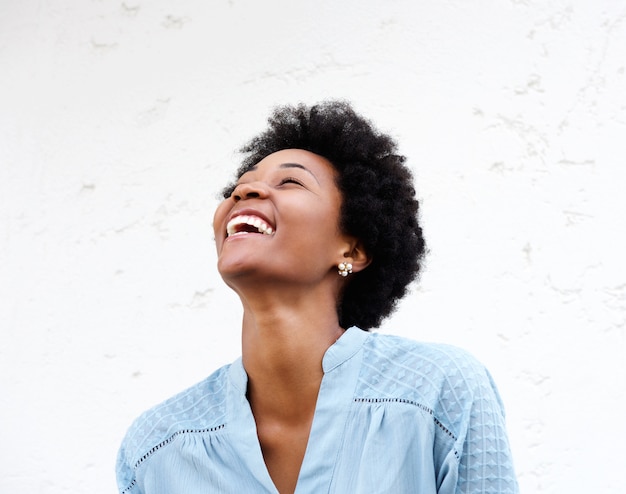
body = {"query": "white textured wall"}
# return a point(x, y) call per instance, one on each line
point(118, 122)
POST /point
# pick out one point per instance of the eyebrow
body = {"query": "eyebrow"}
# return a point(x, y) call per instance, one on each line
point(292, 165)
point(298, 165)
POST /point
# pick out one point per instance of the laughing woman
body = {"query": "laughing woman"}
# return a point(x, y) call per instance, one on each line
point(319, 237)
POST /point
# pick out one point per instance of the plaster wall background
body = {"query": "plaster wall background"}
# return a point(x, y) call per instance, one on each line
point(118, 125)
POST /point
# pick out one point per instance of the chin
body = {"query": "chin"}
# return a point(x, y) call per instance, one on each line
point(233, 269)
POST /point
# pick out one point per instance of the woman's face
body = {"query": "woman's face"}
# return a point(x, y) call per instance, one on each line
point(281, 222)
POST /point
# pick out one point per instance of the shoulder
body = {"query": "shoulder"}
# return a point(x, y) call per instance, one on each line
point(441, 363)
point(444, 379)
point(201, 407)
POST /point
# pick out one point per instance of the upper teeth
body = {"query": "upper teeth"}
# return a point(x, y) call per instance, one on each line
point(255, 221)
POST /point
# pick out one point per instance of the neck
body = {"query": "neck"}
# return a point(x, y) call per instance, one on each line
point(284, 339)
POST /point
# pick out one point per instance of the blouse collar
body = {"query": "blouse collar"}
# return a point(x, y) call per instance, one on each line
point(344, 348)
point(339, 352)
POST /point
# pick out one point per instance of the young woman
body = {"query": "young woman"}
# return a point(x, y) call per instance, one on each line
point(319, 237)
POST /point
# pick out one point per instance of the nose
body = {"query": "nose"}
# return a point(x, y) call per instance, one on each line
point(249, 190)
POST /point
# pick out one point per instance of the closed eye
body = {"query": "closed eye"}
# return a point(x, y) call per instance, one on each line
point(291, 180)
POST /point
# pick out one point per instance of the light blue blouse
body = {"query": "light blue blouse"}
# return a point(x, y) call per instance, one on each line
point(392, 416)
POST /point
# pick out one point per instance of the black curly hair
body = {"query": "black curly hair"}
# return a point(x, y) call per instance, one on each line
point(378, 199)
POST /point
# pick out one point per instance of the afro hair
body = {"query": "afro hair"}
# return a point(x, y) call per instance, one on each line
point(379, 206)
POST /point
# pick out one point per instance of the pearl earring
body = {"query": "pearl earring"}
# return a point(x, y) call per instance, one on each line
point(345, 268)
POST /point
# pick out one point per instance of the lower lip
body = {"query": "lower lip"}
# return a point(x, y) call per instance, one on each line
point(246, 234)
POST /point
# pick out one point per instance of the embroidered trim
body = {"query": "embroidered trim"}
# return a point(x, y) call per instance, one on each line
point(418, 405)
point(130, 486)
point(165, 442)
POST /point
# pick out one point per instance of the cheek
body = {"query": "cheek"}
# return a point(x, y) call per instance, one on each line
point(218, 220)
point(322, 227)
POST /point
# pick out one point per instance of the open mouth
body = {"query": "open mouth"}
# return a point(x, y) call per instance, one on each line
point(243, 224)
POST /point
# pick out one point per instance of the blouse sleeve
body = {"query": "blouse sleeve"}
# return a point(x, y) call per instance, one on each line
point(125, 474)
point(480, 462)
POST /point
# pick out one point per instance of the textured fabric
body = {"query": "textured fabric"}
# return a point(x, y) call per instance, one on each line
point(392, 416)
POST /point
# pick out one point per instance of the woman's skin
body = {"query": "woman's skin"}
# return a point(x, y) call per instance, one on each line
point(284, 270)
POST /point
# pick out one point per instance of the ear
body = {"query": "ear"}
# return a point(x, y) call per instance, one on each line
point(355, 254)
